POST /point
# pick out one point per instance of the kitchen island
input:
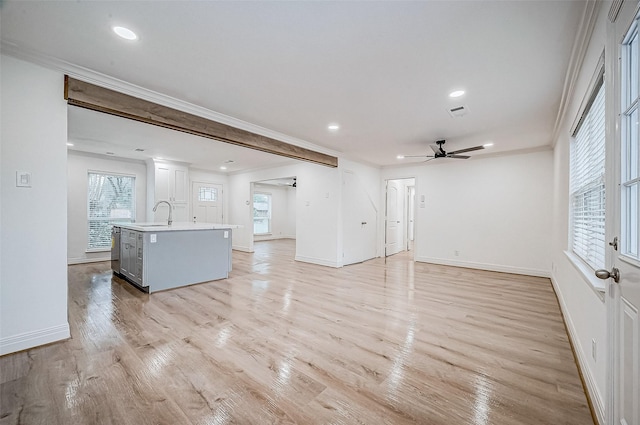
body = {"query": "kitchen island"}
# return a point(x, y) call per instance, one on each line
point(155, 256)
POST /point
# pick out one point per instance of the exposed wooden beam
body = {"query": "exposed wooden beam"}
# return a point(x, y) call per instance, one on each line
point(87, 95)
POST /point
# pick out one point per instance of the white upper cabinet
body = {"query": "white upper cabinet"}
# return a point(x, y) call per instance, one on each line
point(171, 182)
point(167, 181)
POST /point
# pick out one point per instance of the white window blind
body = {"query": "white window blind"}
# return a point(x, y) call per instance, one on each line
point(587, 184)
point(111, 198)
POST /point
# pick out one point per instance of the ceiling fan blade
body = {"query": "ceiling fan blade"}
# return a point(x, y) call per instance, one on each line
point(458, 156)
point(475, 148)
point(435, 148)
point(418, 156)
point(430, 159)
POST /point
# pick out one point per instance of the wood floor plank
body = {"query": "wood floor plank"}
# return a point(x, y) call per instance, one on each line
point(279, 341)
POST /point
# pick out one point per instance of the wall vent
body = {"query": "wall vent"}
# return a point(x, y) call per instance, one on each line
point(458, 111)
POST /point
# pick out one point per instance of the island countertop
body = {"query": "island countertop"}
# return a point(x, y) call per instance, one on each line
point(163, 227)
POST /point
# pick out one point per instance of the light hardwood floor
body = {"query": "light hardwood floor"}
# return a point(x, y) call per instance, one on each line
point(287, 342)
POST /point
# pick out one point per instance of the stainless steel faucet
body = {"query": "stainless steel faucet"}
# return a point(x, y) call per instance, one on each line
point(169, 221)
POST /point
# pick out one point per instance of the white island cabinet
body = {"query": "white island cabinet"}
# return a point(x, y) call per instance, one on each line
point(155, 256)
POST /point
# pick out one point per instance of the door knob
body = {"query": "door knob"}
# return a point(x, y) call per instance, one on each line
point(605, 274)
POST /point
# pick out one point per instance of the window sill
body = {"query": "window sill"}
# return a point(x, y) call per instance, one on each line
point(97, 250)
point(599, 286)
point(262, 234)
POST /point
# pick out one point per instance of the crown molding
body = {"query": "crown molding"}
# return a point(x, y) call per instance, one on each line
point(103, 80)
point(578, 53)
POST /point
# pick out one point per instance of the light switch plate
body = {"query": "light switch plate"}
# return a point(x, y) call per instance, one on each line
point(23, 179)
point(153, 238)
point(226, 234)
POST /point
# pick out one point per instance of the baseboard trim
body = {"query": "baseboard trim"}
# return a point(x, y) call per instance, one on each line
point(594, 398)
point(485, 266)
point(318, 261)
point(72, 261)
point(33, 339)
point(241, 248)
point(271, 238)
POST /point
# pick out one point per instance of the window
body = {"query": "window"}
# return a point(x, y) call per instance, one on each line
point(207, 194)
point(111, 198)
point(630, 177)
point(261, 213)
point(587, 192)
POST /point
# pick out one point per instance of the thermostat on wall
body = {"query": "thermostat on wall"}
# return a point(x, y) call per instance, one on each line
point(23, 179)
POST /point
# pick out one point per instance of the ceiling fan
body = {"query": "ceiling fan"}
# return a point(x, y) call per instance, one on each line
point(439, 152)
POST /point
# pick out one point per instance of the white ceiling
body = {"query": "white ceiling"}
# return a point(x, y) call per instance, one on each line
point(382, 70)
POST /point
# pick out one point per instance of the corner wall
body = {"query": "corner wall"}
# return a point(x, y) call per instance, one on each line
point(33, 272)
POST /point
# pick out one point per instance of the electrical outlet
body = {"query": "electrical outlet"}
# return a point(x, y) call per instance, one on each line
point(594, 347)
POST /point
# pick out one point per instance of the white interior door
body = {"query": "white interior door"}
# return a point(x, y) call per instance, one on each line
point(394, 239)
point(359, 220)
point(207, 202)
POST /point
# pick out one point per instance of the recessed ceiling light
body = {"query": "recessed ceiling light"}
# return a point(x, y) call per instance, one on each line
point(125, 33)
point(400, 156)
point(487, 145)
point(69, 144)
point(333, 127)
point(456, 93)
point(223, 167)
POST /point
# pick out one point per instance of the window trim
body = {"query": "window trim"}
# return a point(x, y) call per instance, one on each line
point(270, 195)
point(628, 106)
point(597, 80)
point(595, 88)
point(585, 270)
point(88, 248)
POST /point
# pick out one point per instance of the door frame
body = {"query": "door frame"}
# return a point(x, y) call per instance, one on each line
point(192, 194)
point(410, 213)
point(405, 215)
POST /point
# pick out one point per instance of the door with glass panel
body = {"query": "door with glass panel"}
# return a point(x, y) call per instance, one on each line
point(207, 202)
point(624, 276)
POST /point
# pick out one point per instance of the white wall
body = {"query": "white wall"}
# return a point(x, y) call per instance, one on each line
point(584, 310)
point(283, 215)
point(289, 229)
point(78, 165)
point(317, 202)
point(33, 271)
point(368, 179)
point(495, 211)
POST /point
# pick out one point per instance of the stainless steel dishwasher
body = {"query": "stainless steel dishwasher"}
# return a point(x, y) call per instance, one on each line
point(115, 249)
